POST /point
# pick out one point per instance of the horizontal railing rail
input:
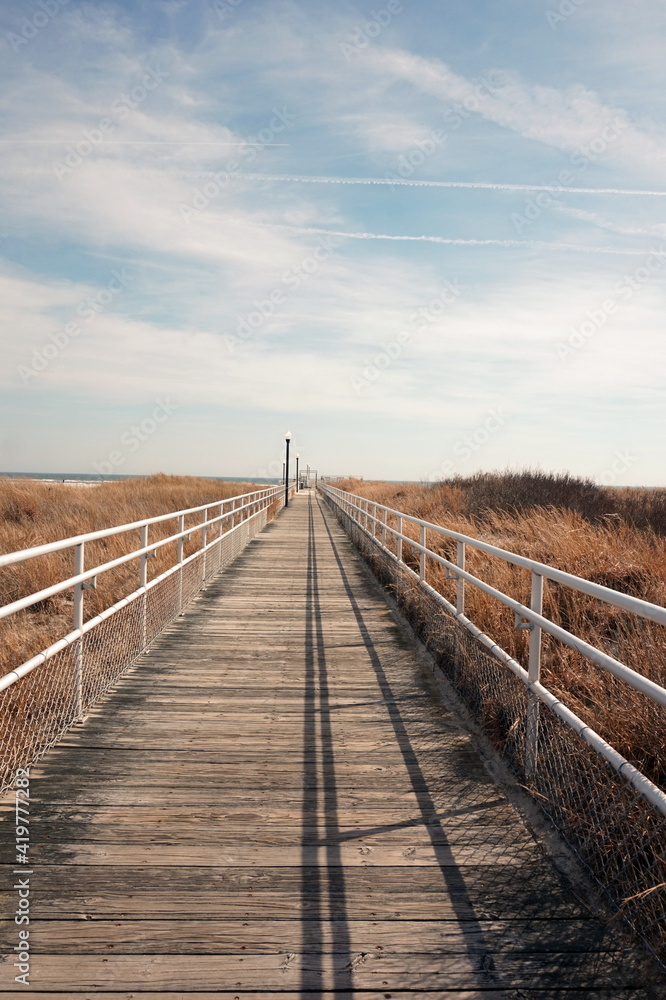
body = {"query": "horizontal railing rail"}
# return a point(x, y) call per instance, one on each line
point(12, 558)
point(234, 522)
point(92, 536)
point(372, 519)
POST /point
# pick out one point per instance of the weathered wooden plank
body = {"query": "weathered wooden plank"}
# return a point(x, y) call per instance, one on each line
point(168, 738)
point(265, 836)
point(260, 768)
point(535, 880)
point(222, 812)
point(294, 770)
point(436, 937)
point(346, 971)
point(122, 757)
point(481, 892)
point(348, 801)
point(254, 854)
point(232, 994)
point(262, 903)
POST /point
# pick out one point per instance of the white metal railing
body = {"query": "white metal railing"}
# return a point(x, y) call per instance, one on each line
point(372, 519)
point(239, 509)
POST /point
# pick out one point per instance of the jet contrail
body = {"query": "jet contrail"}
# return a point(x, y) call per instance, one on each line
point(473, 185)
point(455, 241)
point(135, 142)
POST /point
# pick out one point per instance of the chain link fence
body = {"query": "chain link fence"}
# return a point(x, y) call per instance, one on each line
point(37, 709)
point(618, 835)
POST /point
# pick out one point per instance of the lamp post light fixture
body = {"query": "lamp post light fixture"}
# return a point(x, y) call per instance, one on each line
point(298, 486)
point(287, 439)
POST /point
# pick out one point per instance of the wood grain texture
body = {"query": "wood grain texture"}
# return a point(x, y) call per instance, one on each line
point(274, 803)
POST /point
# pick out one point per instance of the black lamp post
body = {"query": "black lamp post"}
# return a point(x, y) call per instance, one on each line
point(298, 486)
point(287, 439)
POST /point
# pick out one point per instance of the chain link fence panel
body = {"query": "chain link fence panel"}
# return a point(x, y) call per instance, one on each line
point(37, 710)
point(615, 832)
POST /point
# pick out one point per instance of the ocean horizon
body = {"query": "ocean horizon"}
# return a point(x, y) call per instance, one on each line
point(92, 477)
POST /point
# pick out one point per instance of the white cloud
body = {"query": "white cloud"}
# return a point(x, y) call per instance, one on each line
point(565, 118)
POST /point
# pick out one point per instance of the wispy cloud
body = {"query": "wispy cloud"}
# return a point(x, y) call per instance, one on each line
point(400, 238)
point(566, 118)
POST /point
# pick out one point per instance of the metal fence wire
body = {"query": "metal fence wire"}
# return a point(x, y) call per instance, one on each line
point(43, 697)
point(618, 833)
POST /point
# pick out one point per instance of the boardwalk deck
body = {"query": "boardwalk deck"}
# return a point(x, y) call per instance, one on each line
point(274, 802)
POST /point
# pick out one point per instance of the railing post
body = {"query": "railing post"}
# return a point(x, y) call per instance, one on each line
point(384, 517)
point(79, 560)
point(181, 550)
point(399, 538)
point(219, 537)
point(534, 674)
point(204, 536)
point(422, 560)
point(460, 587)
point(143, 583)
point(374, 520)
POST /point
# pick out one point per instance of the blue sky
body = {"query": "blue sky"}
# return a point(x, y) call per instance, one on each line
point(365, 224)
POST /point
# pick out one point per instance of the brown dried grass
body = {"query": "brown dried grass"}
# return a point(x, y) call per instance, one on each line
point(611, 537)
point(34, 513)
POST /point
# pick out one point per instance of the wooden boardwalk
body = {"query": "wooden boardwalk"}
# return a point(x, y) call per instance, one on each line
point(275, 802)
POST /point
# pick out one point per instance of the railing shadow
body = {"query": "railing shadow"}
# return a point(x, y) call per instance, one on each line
point(323, 902)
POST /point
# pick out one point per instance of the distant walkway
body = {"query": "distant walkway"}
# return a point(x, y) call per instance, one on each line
point(274, 802)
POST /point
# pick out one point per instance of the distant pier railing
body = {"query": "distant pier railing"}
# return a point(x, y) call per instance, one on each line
point(43, 696)
point(611, 813)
